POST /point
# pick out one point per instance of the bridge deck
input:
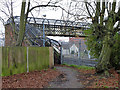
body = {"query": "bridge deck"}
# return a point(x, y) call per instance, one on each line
point(56, 27)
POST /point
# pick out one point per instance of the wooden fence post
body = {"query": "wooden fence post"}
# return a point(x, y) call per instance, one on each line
point(51, 57)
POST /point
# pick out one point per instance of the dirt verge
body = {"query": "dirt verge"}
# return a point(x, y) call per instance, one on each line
point(34, 79)
point(90, 79)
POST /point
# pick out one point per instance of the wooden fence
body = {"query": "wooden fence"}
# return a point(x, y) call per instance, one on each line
point(24, 59)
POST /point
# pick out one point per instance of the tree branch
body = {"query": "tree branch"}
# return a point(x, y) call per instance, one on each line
point(50, 6)
point(113, 5)
point(102, 13)
point(88, 9)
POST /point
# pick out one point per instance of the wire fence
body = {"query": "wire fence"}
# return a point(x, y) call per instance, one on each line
point(76, 52)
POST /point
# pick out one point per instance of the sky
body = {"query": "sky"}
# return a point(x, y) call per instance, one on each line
point(51, 13)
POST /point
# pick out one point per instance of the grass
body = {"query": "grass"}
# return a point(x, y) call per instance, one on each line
point(54, 68)
point(106, 87)
point(1, 75)
point(80, 67)
point(96, 60)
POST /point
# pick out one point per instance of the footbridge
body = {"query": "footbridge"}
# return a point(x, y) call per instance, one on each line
point(53, 27)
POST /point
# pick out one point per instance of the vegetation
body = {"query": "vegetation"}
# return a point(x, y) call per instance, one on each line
point(15, 62)
point(103, 35)
point(80, 67)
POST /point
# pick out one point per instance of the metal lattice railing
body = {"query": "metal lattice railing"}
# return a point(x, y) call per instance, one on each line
point(34, 29)
point(34, 36)
point(55, 27)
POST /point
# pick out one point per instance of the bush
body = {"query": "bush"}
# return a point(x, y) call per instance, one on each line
point(94, 44)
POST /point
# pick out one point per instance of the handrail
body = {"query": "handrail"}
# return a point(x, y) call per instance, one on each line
point(32, 30)
point(51, 22)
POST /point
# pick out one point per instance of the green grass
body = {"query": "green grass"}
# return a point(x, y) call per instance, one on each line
point(106, 87)
point(1, 75)
point(54, 68)
point(64, 64)
point(80, 67)
point(96, 60)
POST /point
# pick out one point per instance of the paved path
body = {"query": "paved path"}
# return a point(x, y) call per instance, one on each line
point(66, 80)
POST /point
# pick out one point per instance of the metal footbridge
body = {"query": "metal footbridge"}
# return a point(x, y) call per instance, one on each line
point(34, 31)
point(55, 27)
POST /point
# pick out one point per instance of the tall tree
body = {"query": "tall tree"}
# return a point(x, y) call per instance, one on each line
point(23, 19)
point(103, 32)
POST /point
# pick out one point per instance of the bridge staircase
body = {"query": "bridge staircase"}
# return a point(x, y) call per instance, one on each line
point(34, 37)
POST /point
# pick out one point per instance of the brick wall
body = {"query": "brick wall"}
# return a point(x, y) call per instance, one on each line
point(76, 39)
point(9, 40)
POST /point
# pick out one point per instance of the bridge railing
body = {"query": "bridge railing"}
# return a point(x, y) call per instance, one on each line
point(52, 22)
point(55, 27)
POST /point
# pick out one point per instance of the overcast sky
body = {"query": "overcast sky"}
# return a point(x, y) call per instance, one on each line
point(51, 13)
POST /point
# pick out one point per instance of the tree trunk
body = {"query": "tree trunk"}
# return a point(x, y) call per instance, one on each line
point(22, 24)
point(23, 20)
point(104, 58)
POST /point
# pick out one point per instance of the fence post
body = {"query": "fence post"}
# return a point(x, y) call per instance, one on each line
point(79, 49)
point(27, 60)
point(89, 54)
point(51, 57)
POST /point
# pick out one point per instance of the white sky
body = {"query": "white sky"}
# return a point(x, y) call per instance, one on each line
point(51, 13)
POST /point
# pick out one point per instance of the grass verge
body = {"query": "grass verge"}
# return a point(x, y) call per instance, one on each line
point(80, 67)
